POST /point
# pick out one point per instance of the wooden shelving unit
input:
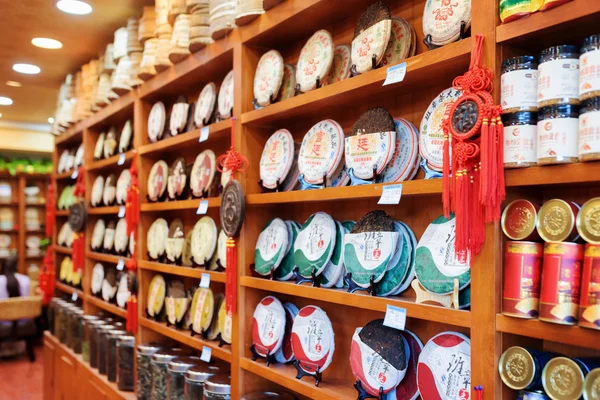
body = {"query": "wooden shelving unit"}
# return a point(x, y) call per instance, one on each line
point(285, 28)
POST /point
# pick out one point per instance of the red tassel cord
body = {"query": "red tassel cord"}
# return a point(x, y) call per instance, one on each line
point(231, 162)
point(50, 208)
point(48, 276)
point(473, 187)
point(132, 203)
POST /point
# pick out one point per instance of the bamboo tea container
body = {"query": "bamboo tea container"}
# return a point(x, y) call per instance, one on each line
point(120, 44)
point(147, 69)
point(180, 41)
point(133, 44)
point(147, 25)
point(222, 17)
point(247, 11)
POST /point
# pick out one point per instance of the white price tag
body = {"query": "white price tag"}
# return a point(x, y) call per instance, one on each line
point(202, 207)
point(205, 281)
point(120, 264)
point(204, 134)
point(391, 194)
point(206, 354)
point(74, 297)
point(395, 74)
point(121, 212)
point(395, 317)
point(75, 174)
point(121, 159)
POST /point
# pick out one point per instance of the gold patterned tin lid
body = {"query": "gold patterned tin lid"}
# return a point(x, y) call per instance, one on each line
point(268, 77)
point(591, 385)
point(516, 367)
point(588, 221)
point(442, 20)
point(519, 219)
point(556, 221)
point(315, 60)
point(562, 379)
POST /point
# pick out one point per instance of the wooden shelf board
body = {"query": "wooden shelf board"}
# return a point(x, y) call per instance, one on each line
point(217, 131)
point(416, 187)
point(62, 213)
point(181, 271)
point(568, 174)
point(572, 335)
point(179, 205)
point(419, 68)
point(34, 204)
point(74, 134)
point(359, 300)
point(116, 106)
point(543, 23)
point(111, 308)
point(110, 162)
point(68, 289)
point(105, 257)
point(63, 176)
point(34, 257)
point(38, 231)
point(11, 204)
point(285, 375)
point(63, 250)
point(103, 210)
point(184, 337)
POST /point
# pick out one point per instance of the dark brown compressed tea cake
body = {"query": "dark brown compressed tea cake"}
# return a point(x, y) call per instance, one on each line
point(376, 12)
point(387, 342)
point(372, 121)
point(176, 289)
point(374, 221)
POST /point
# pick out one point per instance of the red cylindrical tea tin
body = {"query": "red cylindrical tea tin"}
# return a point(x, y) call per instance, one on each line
point(522, 278)
point(519, 220)
point(561, 281)
point(589, 303)
point(556, 221)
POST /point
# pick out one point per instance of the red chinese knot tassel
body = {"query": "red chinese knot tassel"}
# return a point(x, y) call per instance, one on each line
point(231, 277)
point(473, 188)
point(50, 208)
point(48, 276)
point(132, 204)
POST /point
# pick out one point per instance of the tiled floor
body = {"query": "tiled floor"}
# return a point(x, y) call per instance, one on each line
point(21, 379)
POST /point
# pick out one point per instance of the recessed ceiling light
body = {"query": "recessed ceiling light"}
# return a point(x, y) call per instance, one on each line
point(13, 83)
point(74, 7)
point(29, 69)
point(46, 43)
point(50, 120)
point(5, 101)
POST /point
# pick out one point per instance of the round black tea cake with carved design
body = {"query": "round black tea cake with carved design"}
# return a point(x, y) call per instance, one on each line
point(372, 121)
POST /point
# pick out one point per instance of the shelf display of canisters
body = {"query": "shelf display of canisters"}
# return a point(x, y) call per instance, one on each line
point(300, 197)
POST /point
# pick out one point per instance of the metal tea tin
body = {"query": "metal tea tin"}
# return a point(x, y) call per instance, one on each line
point(563, 377)
point(561, 281)
point(591, 385)
point(522, 278)
point(587, 225)
point(556, 221)
point(589, 302)
point(519, 220)
point(521, 368)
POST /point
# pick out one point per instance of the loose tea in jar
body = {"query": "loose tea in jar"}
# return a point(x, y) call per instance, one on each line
point(520, 139)
point(195, 378)
point(144, 370)
point(558, 81)
point(125, 374)
point(160, 361)
point(76, 338)
point(557, 134)
point(589, 130)
point(519, 84)
point(176, 375)
point(111, 353)
point(88, 322)
point(103, 346)
point(218, 387)
point(589, 75)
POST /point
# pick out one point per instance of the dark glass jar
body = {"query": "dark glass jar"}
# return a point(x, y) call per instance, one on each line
point(589, 129)
point(195, 378)
point(519, 83)
point(558, 81)
point(111, 353)
point(218, 387)
point(557, 134)
point(50, 313)
point(125, 363)
point(84, 330)
point(589, 75)
point(60, 321)
point(68, 335)
point(520, 139)
point(93, 329)
point(160, 361)
point(144, 369)
point(176, 375)
point(102, 346)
